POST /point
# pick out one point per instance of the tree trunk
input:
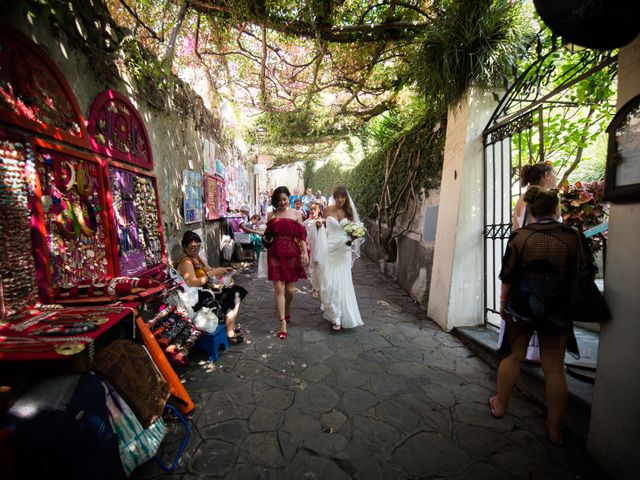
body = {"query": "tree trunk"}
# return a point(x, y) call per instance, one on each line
point(171, 46)
point(578, 157)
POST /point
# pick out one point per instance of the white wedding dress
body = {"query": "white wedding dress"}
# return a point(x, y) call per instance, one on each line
point(334, 257)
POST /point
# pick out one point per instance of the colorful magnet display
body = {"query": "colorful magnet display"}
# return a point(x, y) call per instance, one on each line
point(71, 202)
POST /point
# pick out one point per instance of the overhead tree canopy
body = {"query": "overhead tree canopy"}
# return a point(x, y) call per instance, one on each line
point(306, 71)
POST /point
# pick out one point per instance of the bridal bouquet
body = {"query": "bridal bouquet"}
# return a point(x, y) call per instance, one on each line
point(354, 230)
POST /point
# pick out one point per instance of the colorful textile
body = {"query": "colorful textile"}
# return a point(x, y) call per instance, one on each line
point(136, 444)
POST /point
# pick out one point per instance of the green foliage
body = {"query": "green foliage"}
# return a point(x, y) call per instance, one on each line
point(582, 207)
point(423, 135)
point(471, 42)
point(328, 176)
point(573, 122)
point(307, 173)
point(148, 71)
point(594, 161)
point(285, 127)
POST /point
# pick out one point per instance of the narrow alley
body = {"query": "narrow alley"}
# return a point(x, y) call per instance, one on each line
point(397, 398)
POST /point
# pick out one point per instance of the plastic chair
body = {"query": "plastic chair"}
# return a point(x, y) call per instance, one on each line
point(183, 444)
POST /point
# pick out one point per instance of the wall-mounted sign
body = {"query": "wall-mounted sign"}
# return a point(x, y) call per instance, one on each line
point(192, 189)
point(622, 180)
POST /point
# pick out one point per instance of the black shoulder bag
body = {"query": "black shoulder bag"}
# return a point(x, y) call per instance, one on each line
point(586, 302)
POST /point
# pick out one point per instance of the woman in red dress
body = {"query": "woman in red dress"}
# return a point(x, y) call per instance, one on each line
point(286, 239)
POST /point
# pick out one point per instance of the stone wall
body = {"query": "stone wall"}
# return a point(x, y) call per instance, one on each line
point(412, 270)
point(176, 138)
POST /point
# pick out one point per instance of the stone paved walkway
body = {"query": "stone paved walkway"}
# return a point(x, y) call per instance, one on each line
point(395, 399)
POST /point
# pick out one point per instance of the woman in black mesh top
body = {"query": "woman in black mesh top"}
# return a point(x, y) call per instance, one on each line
point(535, 276)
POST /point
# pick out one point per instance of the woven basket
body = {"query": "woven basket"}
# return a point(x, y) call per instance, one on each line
point(129, 368)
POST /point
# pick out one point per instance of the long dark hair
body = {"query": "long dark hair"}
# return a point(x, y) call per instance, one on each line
point(341, 191)
point(275, 197)
point(532, 174)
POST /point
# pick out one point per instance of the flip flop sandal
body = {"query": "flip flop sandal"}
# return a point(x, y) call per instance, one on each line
point(237, 340)
point(492, 407)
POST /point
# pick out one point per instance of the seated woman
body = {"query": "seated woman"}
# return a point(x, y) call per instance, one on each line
point(196, 273)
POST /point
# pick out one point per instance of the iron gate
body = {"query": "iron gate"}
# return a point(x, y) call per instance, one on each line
point(515, 136)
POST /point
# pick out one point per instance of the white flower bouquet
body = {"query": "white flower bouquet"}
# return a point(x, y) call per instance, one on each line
point(354, 230)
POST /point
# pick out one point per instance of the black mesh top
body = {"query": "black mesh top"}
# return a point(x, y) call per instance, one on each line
point(538, 265)
point(543, 248)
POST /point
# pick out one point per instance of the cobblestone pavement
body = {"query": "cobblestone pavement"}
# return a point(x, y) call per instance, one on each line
point(395, 399)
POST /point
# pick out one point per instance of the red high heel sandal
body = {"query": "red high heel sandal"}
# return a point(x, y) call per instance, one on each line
point(282, 334)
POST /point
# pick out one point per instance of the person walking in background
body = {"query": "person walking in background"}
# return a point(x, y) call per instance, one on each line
point(313, 224)
point(247, 226)
point(294, 197)
point(297, 205)
point(534, 297)
point(285, 237)
point(321, 200)
point(541, 175)
point(307, 198)
point(335, 254)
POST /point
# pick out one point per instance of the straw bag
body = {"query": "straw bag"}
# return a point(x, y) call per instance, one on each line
point(130, 370)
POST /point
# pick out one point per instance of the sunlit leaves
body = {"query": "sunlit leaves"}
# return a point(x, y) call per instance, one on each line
point(472, 42)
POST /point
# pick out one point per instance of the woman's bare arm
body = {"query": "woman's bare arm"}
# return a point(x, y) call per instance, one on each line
point(188, 272)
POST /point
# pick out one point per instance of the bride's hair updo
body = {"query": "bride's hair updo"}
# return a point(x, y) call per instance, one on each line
point(341, 191)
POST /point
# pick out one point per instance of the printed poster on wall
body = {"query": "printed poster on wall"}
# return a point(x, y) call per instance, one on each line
point(192, 188)
point(215, 197)
point(209, 156)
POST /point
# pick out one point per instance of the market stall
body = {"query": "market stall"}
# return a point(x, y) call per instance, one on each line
point(80, 225)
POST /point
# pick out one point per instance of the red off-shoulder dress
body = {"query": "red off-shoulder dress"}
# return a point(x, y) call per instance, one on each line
point(284, 253)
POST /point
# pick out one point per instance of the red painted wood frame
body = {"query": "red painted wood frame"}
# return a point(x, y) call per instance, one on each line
point(40, 146)
point(155, 270)
point(28, 68)
point(113, 120)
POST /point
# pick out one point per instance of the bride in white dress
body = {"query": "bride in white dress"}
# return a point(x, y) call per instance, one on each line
point(335, 258)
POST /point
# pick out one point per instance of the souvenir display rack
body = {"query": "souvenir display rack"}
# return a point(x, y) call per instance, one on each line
point(33, 92)
point(17, 289)
point(50, 332)
point(57, 230)
point(69, 209)
point(117, 132)
point(137, 238)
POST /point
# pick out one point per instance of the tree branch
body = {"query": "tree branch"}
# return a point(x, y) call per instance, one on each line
point(372, 32)
point(141, 23)
point(263, 68)
point(171, 46)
